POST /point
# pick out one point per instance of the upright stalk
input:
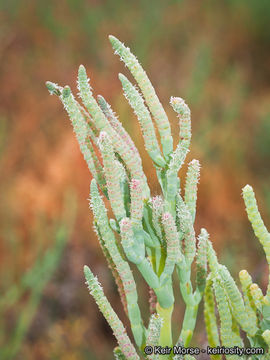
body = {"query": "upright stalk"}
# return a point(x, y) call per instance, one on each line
point(189, 323)
point(154, 233)
point(165, 338)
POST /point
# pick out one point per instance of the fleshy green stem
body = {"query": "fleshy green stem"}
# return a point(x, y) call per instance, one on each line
point(189, 323)
point(166, 330)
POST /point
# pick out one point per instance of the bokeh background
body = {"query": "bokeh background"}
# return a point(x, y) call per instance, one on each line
point(214, 54)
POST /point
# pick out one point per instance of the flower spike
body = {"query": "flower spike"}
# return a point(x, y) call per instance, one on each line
point(148, 92)
point(105, 307)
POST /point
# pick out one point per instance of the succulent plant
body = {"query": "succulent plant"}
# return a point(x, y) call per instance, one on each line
point(249, 310)
point(156, 233)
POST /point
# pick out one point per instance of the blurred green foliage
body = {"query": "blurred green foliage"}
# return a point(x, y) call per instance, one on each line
point(214, 54)
point(21, 294)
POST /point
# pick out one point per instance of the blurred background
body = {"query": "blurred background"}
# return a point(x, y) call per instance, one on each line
point(216, 55)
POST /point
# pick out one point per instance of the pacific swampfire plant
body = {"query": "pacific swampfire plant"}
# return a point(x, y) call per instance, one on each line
point(155, 233)
point(249, 310)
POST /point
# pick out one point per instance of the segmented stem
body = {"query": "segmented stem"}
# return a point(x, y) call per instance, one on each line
point(117, 126)
point(136, 102)
point(148, 92)
point(210, 316)
point(112, 175)
point(133, 163)
point(201, 261)
point(174, 254)
point(257, 296)
point(153, 336)
point(136, 201)
point(79, 127)
point(236, 301)
point(229, 338)
point(246, 283)
point(186, 226)
point(191, 186)
point(157, 210)
point(115, 323)
point(121, 265)
point(179, 155)
point(258, 226)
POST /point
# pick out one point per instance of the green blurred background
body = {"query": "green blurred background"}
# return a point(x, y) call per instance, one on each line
point(214, 54)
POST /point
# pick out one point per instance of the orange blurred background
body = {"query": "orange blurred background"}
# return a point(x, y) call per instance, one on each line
point(216, 55)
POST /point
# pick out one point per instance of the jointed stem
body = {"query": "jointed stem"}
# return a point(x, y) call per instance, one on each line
point(166, 330)
point(189, 323)
point(192, 301)
point(157, 233)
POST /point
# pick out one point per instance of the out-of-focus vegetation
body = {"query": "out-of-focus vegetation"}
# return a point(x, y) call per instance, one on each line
point(216, 55)
point(21, 297)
